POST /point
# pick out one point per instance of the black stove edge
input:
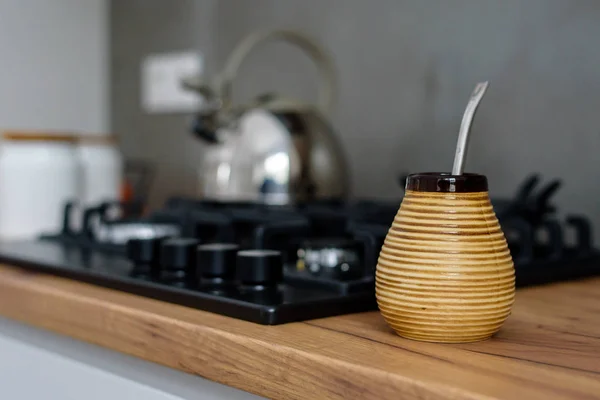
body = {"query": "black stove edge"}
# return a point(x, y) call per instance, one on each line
point(348, 304)
point(559, 270)
point(147, 289)
point(260, 314)
point(544, 273)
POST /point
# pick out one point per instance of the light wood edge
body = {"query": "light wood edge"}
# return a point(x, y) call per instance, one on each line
point(297, 361)
point(32, 136)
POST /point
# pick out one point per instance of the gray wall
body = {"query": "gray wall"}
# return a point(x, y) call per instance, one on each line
point(406, 69)
point(54, 68)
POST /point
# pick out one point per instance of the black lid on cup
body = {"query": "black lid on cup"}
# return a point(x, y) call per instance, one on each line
point(446, 183)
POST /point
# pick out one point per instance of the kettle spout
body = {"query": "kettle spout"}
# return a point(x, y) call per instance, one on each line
point(205, 127)
point(198, 85)
point(206, 122)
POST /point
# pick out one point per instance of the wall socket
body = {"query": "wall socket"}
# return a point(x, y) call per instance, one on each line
point(162, 91)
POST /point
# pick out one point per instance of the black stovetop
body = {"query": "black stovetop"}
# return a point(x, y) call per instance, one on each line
point(305, 262)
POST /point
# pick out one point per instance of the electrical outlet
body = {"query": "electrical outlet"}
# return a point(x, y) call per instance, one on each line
point(161, 82)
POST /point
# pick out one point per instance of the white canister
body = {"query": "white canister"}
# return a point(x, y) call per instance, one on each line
point(38, 175)
point(101, 169)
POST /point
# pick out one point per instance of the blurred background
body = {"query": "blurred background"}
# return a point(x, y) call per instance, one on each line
point(406, 69)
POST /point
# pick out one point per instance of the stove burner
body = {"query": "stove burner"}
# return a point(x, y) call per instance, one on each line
point(277, 264)
point(331, 258)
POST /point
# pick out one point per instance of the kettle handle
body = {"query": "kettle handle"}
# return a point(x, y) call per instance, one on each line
point(327, 90)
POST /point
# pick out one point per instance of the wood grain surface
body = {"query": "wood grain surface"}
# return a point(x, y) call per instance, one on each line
point(445, 273)
point(549, 348)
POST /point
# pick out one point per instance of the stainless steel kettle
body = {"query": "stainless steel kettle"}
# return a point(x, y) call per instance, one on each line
point(275, 150)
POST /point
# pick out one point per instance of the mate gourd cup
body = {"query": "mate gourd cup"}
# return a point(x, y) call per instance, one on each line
point(445, 273)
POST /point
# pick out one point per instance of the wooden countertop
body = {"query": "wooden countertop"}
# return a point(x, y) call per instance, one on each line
point(548, 348)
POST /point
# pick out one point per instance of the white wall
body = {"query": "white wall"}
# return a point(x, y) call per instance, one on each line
point(54, 65)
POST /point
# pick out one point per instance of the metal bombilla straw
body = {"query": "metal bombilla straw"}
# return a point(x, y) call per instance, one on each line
point(465, 127)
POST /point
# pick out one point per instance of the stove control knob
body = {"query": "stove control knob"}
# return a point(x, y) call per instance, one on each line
point(215, 262)
point(144, 254)
point(143, 251)
point(178, 261)
point(259, 267)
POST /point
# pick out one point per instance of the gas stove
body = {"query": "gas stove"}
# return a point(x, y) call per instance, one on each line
point(278, 264)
